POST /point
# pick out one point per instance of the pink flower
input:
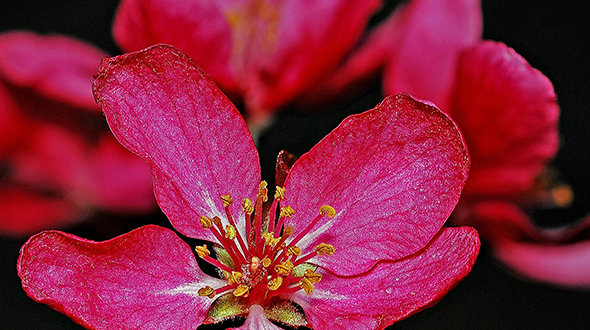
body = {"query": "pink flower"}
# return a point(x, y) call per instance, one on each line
point(508, 114)
point(59, 161)
point(353, 235)
point(264, 51)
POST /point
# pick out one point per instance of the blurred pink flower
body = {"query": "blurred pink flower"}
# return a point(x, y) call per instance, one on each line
point(508, 114)
point(264, 52)
point(59, 161)
point(353, 236)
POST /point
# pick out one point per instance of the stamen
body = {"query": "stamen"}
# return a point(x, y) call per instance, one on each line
point(247, 206)
point(241, 290)
point(280, 193)
point(324, 248)
point(234, 277)
point(230, 232)
point(275, 283)
point(324, 210)
point(266, 262)
point(284, 268)
point(294, 250)
point(205, 222)
point(306, 285)
point(227, 200)
point(327, 210)
point(254, 264)
point(285, 212)
point(202, 251)
point(207, 292)
point(312, 276)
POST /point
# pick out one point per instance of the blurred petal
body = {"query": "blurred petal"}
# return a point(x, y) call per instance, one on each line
point(393, 174)
point(564, 264)
point(392, 291)
point(24, 212)
point(257, 320)
point(508, 113)
point(58, 67)
point(269, 51)
point(122, 182)
point(424, 61)
point(145, 279)
point(162, 106)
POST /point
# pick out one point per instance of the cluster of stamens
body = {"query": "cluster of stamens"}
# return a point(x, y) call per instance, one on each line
point(263, 265)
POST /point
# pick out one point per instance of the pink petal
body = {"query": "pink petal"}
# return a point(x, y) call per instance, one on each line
point(496, 220)
point(269, 51)
point(196, 27)
point(162, 106)
point(257, 320)
point(508, 113)
point(393, 174)
point(424, 61)
point(392, 290)
point(145, 279)
point(565, 264)
point(12, 122)
point(25, 213)
point(122, 180)
point(56, 66)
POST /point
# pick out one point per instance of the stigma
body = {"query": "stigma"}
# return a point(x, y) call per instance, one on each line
point(265, 262)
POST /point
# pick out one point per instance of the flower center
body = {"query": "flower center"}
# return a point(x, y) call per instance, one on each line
point(267, 262)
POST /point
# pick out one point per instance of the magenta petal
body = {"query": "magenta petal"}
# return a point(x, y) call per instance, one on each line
point(145, 279)
point(162, 106)
point(393, 174)
point(122, 180)
point(257, 320)
point(25, 213)
point(424, 60)
point(508, 114)
point(58, 67)
point(196, 27)
point(564, 264)
point(392, 290)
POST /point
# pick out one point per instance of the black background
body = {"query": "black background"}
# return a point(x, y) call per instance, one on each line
point(551, 35)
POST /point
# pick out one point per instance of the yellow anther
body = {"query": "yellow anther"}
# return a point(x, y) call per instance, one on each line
point(275, 283)
point(254, 264)
point(284, 268)
point(312, 276)
point(294, 250)
point(227, 200)
point(270, 239)
point(202, 251)
point(263, 191)
point(280, 193)
point(205, 222)
point(288, 231)
point(230, 232)
point(266, 262)
point(287, 212)
point(234, 277)
point(324, 248)
point(327, 210)
point(207, 292)
point(241, 290)
point(247, 206)
point(217, 221)
point(306, 285)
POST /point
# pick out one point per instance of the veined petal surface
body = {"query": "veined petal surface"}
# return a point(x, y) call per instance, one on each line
point(392, 291)
point(144, 279)
point(393, 175)
point(162, 106)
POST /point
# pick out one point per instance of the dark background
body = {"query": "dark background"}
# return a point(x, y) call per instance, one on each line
point(551, 35)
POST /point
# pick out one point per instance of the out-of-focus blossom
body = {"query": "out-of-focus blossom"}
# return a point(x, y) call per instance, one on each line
point(508, 114)
point(265, 52)
point(58, 161)
point(353, 235)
